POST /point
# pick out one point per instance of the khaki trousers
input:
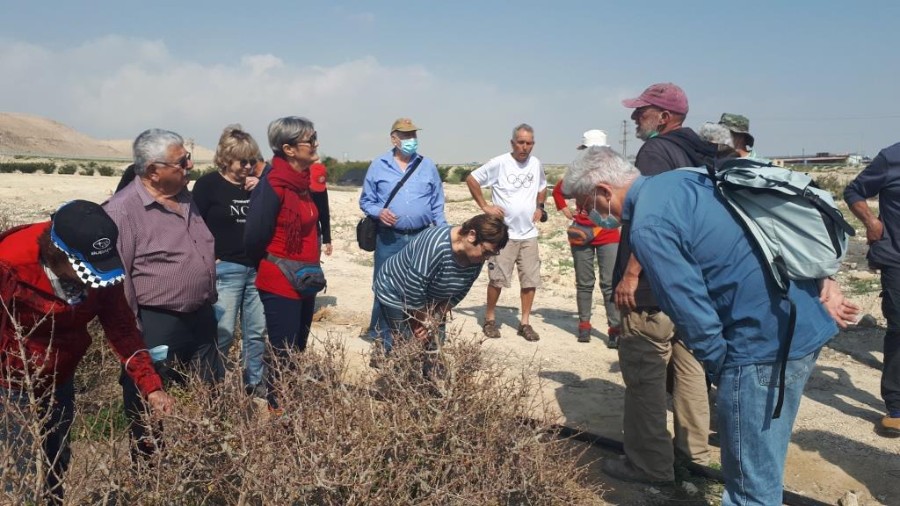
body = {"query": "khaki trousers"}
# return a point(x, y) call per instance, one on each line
point(647, 347)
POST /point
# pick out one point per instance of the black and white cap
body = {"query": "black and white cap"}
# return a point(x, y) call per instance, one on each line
point(87, 235)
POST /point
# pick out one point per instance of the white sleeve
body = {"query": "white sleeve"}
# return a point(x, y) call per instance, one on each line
point(487, 174)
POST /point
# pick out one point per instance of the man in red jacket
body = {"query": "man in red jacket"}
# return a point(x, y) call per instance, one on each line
point(55, 277)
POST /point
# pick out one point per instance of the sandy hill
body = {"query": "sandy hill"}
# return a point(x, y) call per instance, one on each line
point(34, 135)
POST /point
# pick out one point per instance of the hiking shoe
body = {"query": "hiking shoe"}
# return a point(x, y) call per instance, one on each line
point(491, 329)
point(889, 426)
point(528, 333)
point(584, 333)
point(613, 333)
point(622, 469)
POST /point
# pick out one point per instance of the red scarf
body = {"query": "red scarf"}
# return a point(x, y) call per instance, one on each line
point(296, 203)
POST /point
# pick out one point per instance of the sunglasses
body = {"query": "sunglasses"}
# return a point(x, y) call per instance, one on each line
point(180, 164)
point(249, 161)
point(312, 141)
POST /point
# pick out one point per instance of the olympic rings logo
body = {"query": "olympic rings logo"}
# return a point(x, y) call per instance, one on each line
point(520, 181)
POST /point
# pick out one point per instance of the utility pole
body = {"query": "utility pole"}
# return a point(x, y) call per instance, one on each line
point(624, 139)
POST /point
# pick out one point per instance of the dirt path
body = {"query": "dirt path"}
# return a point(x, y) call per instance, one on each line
point(834, 447)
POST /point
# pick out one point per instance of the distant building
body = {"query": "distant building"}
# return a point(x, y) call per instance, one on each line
point(824, 158)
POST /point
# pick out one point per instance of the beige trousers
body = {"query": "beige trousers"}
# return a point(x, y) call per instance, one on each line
point(647, 348)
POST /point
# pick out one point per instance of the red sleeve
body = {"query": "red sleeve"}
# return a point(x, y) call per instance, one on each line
point(558, 198)
point(124, 337)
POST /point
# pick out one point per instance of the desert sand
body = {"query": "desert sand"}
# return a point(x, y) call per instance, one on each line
point(834, 447)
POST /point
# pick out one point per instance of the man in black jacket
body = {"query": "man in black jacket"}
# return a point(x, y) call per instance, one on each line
point(649, 348)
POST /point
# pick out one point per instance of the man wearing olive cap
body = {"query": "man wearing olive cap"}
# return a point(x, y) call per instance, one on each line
point(739, 126)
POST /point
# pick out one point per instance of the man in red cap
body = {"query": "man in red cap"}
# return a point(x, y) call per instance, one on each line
point(55, 278)
point(318, 177)
point(648, 345)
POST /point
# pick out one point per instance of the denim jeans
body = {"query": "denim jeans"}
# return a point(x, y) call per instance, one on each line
point(236, 285)
point(55, 435)
point(585, 280)
point(288, 322)
point(398, 323)
point(754, 446)
point(890, 308)
point(387, 244)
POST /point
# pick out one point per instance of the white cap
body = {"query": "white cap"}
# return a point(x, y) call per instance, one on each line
point(593, 138)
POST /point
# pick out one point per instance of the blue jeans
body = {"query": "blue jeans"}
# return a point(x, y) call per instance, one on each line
point(288, 322)
point(398, 324)
point(237, 295)
point(54, 435)
point(388, 243)
point(754, 446)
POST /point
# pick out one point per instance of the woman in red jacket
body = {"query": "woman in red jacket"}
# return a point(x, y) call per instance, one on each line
point(294, 237)
point(590, 242)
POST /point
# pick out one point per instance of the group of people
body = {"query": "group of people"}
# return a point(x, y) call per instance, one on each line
point(169, 272)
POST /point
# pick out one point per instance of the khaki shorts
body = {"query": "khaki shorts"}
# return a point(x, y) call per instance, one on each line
point(522, 253)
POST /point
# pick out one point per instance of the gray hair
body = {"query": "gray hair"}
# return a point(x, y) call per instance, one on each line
point(716, 133)
point(522, 126)
point(152, 146)
point(597, 164)
point(288, 130)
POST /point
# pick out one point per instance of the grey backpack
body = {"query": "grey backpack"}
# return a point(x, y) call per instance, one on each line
point(793, 223)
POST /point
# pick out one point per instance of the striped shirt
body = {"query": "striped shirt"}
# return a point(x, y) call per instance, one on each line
point(169, 258)
point(424, 273)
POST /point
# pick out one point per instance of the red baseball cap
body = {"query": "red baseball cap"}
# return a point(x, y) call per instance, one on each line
point(666, 96)
point(318, 175)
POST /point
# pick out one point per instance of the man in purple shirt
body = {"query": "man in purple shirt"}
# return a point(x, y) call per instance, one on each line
point(170, 265)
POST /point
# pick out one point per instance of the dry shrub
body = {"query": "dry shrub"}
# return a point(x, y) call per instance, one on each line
point(344, 438)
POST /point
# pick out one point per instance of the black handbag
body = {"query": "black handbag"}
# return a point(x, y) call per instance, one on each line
point(367, 228)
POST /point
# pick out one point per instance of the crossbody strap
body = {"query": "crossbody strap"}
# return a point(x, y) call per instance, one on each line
point(409, 172)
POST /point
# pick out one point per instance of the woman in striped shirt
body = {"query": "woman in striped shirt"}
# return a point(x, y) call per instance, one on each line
point(418, 286)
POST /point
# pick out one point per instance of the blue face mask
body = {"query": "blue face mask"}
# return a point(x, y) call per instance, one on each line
point(409, 146)
point(609, 221)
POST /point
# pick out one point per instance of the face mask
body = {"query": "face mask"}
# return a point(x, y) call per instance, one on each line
point(409, 146)
point(609, 221)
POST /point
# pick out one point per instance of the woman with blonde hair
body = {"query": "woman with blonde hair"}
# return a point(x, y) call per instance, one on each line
point(223, 198)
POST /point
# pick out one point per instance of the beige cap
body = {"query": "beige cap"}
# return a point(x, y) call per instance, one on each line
point(404, 125)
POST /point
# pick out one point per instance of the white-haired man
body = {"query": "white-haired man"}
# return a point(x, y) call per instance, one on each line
point(706, 275)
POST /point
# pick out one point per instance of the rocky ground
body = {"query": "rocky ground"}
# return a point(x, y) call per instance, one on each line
point(834, 448)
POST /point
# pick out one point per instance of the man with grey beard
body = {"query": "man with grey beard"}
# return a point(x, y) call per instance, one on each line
point(650, 349)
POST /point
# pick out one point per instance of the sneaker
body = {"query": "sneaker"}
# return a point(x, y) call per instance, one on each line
point(890, 426)
point(622, 469)
point(613, 333)
point(584, 332)
point(491, 329)
point(528, 333)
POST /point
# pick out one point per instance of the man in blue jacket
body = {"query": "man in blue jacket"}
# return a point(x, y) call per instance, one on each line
point(881, 179)
point(418, 204)
point(713, 284)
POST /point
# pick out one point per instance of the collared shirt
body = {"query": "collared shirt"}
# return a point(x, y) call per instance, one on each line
point(169, 258)
point(418, 204)
point(881, 178)
point(711, 281)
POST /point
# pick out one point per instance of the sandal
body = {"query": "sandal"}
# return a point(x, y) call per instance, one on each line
point(528, 333)
point(490, 329)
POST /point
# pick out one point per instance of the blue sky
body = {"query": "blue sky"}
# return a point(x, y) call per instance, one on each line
point(811, 76)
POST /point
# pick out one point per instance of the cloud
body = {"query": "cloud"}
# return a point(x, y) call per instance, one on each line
point(114, 87)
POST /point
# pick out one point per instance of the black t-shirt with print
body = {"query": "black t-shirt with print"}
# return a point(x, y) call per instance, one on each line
point(224, 207)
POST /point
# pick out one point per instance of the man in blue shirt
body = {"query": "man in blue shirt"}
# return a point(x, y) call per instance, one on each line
point(418, 204)
point(881, 179)
point(713, 284)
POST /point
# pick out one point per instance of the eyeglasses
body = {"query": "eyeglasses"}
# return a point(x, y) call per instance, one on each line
point(312, 141)
point(488, 252)
point(182, 163)
point(249, 161)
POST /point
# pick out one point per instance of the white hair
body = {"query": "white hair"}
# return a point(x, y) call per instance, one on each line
point(152, 146)
point(597, 164)
point(716, 133)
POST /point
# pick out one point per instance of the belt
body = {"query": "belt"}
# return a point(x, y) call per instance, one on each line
point(408, 231)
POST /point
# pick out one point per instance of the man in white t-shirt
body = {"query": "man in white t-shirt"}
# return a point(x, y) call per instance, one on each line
point(518, 187)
